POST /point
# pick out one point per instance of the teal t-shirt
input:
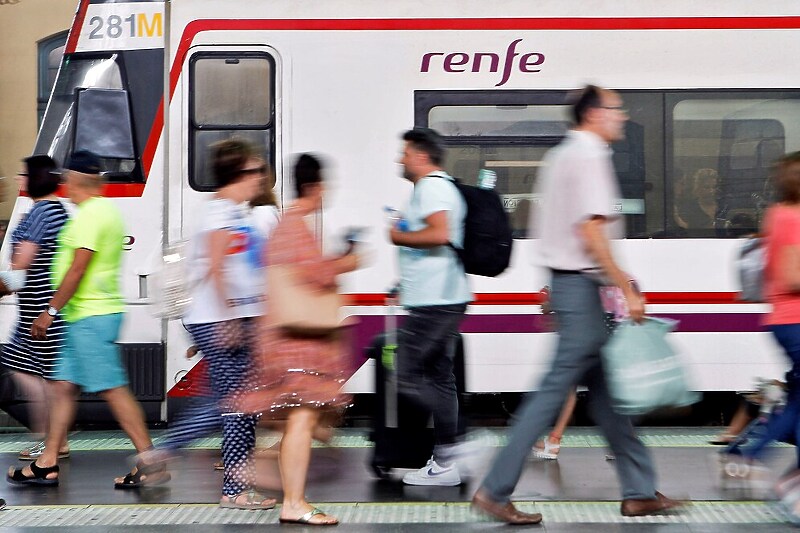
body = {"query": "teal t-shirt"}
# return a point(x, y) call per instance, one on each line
point(434, 276)
point(97, 226)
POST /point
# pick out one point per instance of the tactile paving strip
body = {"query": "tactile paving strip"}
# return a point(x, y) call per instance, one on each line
point(356, 438)
point(381, 513)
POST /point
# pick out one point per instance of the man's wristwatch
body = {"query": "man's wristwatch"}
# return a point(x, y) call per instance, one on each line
point(52, 311)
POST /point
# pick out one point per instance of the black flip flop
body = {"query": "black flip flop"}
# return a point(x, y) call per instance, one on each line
point(133, 480)
point(39, 476)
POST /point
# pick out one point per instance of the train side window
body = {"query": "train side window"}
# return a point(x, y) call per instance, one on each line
point(512, 136)
point(231, 95)
point(724, 147)
point(509, 140)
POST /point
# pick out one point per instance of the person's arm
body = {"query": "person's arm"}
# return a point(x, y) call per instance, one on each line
point(435, 233)
point(218, 242)
point(69, 285)
point(24, 254)
point(598, 246)
point(22, 258)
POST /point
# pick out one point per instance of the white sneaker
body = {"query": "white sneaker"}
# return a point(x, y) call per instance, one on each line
point(432, 474)
point(546, 450)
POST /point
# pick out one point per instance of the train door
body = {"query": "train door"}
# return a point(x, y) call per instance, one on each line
point(226, 92)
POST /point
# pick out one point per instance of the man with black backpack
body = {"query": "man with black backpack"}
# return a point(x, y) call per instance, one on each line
point(434, 291)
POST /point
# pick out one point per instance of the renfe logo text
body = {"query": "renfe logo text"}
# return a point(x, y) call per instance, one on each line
point(484, 62)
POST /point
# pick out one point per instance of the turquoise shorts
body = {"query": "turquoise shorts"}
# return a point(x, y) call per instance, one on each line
point(91, 358)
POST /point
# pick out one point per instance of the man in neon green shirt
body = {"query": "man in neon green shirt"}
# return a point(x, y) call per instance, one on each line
point(86, 273)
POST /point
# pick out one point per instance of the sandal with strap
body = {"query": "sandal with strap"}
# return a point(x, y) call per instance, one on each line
point(144, 475)
point(40, 474)
point(253, 500)
point(547, 449)
point(35, 451)
point(306, 519)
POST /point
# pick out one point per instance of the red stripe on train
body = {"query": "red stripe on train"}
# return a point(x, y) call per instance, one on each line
point(77, 24)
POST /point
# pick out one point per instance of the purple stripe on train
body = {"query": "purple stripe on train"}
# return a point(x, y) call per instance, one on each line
point(371, 325)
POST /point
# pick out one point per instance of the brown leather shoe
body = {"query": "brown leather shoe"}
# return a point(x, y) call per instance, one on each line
point(505, 512)
point(659, 504)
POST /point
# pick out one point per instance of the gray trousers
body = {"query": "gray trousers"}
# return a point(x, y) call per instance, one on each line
point(581, 333)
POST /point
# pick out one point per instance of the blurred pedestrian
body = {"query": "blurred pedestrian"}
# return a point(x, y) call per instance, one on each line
point(577, 219)
point(299, 377)
point(434, 291)
point(203, 416)
point(33, 245)
point(227, 294)
point(86, 273)
point(782, 289)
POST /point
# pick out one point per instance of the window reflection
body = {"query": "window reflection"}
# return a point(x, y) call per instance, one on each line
point(56, 135)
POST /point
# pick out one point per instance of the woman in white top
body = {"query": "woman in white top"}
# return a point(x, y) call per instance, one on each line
point(226, 273)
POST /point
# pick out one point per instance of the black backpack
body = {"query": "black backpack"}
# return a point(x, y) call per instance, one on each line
point(487, 232)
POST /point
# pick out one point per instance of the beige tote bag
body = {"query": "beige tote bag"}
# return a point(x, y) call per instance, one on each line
point(301, 308)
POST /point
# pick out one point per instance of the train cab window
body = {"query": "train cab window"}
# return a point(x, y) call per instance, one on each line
point(723, 150)
point(231, 96)
point(90, 97)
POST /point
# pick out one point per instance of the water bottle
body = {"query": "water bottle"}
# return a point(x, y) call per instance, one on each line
point(487, 179)
point(396, 218)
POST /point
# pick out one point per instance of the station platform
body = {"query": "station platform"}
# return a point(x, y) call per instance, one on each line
point(577, 493)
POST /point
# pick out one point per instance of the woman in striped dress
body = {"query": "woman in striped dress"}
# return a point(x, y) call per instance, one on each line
point(33, 244)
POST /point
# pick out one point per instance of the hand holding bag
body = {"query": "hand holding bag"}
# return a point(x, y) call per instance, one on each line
point(642, 370)
point(299, 307)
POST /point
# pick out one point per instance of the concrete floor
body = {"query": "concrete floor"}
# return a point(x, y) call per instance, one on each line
point(339, 475)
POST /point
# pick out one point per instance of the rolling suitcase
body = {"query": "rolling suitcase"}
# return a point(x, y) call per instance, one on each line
point(402, 431)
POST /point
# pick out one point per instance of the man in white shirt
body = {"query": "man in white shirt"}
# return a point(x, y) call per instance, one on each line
point(575, 223)
point(434, 291)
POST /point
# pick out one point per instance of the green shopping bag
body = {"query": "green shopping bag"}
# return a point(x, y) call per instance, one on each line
point(642, 370)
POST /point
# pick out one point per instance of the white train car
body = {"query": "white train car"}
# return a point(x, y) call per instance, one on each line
point(709, 86)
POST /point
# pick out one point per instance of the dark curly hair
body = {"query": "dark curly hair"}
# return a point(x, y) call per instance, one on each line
point(42, 177)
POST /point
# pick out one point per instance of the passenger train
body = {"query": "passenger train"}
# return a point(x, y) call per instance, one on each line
point(710, 87)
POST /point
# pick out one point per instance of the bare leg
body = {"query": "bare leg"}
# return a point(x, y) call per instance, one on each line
point(62, 415)
point(129, 415)
point(564, 417)
point(294, 459)
point(554, 438)
point(739, 421)
point(33, 387)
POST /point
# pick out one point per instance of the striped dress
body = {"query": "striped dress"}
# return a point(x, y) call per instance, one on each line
point(40, 226)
